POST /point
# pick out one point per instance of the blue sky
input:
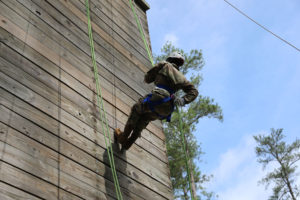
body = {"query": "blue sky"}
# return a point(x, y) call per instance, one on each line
point(253, 76)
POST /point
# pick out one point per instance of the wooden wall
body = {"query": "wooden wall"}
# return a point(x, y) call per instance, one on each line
point(51, 143)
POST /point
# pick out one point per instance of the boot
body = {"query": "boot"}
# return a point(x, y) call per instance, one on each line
point(119, 136)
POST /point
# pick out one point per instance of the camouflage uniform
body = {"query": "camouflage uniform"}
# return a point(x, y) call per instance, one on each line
point(163, 73)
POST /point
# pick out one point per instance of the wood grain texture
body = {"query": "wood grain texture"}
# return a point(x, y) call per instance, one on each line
point(52, 126)
point(93, 152)
point(8, 192)
point(46, 85)
point(51, 142)
point(52, 110)
point(75, 64)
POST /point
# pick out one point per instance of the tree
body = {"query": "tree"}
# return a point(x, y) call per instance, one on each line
point(190, 115)
point(272, 148)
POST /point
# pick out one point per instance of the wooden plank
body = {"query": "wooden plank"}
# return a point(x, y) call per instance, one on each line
point(64, 195)
point(122, 31)
point(52, 110)
point(49, 107)
point(126, 64)
point(31, 130)
point(80, 38)
point(63, 63)
point(87, 145)
point(124, 7)
point(27, 182)
point(96, 166)
point(124, 20)
point(71, 136)
point(4, 129)
point(83, 158)
point(97, 181)
point(57, 37)
point(133, 44)
point(119, 59)
point(120, 161)
point(13, 156)
point(67, 66)
point(34, 163)
point(3, 134)
point(68, 5)
point(60, 101)
point(43, 162)
point(8, 192)
point(75, 186)
point(51, 33)
point(83, 112)
point(87, 60)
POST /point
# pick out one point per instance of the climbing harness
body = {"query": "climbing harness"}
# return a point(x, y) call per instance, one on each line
point(153, 104)
point(101, 108)
point(187, 159)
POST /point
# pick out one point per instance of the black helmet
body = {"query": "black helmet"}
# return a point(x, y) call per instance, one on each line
point(176, 58)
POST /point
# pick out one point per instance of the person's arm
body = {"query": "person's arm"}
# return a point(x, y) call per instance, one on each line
point(151, 74)
point(191, 92)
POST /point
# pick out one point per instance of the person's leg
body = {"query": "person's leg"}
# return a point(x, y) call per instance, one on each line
point(141, 125)
point(133, 118)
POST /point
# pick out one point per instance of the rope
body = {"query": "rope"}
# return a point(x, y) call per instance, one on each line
point(262, 26)
point(178, 110)
point(101, 107)
point(187, 158)
point(141, 32)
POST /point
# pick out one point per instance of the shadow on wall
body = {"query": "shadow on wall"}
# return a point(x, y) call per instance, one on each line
point(121, 165)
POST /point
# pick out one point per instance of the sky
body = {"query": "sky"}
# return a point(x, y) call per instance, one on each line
point(252, 75)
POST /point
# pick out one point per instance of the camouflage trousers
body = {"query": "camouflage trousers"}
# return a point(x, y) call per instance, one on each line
point(141, 115)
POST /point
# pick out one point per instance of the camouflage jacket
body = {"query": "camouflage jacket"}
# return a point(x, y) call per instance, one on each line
point(165, 73)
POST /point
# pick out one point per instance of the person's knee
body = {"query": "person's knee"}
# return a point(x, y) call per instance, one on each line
point(137, 108)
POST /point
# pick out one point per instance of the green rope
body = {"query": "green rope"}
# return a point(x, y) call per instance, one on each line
point(101, 107)
point(187, 158)
point(179, 111)
point(141, 32)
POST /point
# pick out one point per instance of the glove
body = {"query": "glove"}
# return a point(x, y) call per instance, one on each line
point(179, 101)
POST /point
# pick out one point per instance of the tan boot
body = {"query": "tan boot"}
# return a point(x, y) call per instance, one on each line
point(120, 136)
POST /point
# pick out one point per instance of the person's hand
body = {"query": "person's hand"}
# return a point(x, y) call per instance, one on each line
point(179, 101)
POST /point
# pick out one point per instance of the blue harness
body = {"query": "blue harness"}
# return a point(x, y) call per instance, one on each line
point(152, 104)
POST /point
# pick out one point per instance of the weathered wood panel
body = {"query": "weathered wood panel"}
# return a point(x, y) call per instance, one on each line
point(84, 113)
point(8, 192)
point(69, 135)
point(148, 163)
point(67, 55)
point(51, 143)
point(67, 66)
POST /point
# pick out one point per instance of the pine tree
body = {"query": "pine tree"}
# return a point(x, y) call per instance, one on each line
point(272, 148)
point(190, 115)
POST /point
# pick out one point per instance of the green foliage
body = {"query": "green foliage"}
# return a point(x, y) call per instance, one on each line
point(190, 115)
point(272, 148)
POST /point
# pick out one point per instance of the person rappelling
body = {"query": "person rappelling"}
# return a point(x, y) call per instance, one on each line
point(160, 103)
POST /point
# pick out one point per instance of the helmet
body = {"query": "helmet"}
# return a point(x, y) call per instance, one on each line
point(176, 58)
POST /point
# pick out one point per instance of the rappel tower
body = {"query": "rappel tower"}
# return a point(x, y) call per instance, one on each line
point(52, 144)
